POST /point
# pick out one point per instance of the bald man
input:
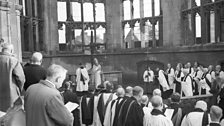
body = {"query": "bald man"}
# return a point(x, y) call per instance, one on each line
point(12, 77)
point(34, 72)
point(215, 114)
point(157, 118)
point(198, 117)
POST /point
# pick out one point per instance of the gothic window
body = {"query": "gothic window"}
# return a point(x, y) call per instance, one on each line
point(83, 22)
point(139, 14)
point(203, 21)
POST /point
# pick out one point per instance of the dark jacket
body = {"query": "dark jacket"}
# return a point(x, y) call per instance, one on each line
point(33, 73)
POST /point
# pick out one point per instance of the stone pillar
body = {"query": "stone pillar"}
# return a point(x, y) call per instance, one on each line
point(171, 22)
point(10, 24)
point(114, 26)
point(50, 26)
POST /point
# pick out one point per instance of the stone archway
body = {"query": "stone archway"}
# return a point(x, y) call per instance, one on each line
point(142, 66)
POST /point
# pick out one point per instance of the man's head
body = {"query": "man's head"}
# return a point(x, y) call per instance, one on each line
point(215, 113)
point(157, 92)
point(157, 102)
point(7, 47)
point(145, 99)
point(185, 72)
point(120, 92)
point(168, 65)
point(108, 86)
point(129, 91)
point(137, 93)
point(201, 105)
point(148, 67)
point(217, 67)
point(188, 65)
point(36, 58)
point(175, 97)
point(56, 74)
point(210, 67)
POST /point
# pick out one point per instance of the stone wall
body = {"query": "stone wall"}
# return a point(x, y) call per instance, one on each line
point(126, 61)
point(10, 24)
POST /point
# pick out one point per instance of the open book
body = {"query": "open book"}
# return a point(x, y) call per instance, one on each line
point(169, 113)
point(71, 106)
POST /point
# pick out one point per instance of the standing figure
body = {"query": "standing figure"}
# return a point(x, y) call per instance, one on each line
point(82, 78)
point(178, 75)
point(96, 73)
point(44, 104)
point(170, 73)
point(186, 83)
point(33, 71)
point(12, 77)
point(148, 77)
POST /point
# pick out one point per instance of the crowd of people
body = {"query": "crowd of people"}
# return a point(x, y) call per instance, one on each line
point(186, 79)
point(103, 104)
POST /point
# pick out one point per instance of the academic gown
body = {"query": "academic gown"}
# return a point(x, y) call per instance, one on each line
point(103, 102)
point(110, 111)
point(131, 113)
point(157, 118)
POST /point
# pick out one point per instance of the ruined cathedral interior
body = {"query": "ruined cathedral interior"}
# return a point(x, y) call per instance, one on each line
point(126, 36)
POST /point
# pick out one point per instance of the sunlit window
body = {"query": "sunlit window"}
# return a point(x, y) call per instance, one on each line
point(62, 15)
point(127, 10)
point(76, 7)
point(100, 12)
point(136, 8)
point(147, 8)
point(88, 12)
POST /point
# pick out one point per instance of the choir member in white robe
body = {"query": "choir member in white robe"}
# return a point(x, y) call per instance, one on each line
point(156, 117)
point(96, 73)
point(178, 75)
point(112, 107)
point(82, 79)
point(145, 102)
point(162, 80)
point(196, 79)
point(170, 73)
point(190, 69)
point(186, 84)
point(148, 77)
point(211, 72)
point(199, 117)
point(205, 82)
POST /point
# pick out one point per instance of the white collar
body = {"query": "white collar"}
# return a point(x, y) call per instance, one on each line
point(51, 83)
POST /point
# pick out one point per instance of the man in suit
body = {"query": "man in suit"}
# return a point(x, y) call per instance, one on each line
point(44, 104)
point(215, 114)
point(12, 77)
point(34, 72)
